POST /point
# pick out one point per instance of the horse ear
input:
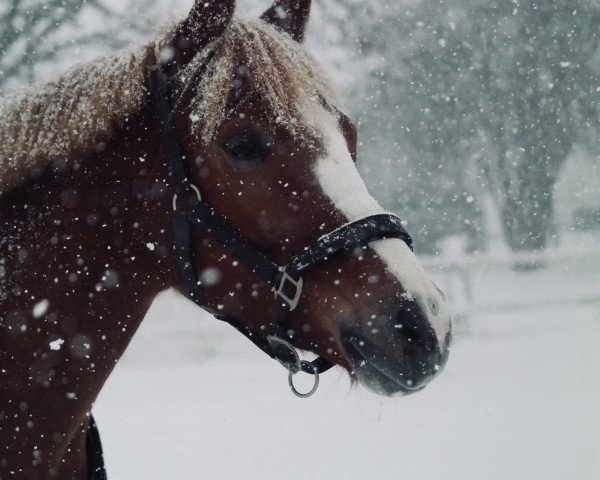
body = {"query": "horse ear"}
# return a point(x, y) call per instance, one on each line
point(291, 16)
point(206, 22)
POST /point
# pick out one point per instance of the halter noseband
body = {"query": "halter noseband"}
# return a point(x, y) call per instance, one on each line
point(286, 281)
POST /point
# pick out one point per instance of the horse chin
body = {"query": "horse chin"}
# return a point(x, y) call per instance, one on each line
point(373, 377)
point(383, 377)
point(380, 384)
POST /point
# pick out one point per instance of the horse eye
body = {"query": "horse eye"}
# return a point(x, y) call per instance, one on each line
point(247, 147)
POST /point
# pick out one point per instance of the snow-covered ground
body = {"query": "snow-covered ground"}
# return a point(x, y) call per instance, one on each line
point(519, 399)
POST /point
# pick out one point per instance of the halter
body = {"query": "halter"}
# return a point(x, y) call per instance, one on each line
point(286, 281)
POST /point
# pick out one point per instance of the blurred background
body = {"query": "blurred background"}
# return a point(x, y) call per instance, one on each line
point(479, 124)
point(471, 112)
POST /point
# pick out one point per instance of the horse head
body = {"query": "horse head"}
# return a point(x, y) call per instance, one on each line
point(272, 151)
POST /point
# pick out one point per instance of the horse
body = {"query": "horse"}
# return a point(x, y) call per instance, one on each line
point(216, 160)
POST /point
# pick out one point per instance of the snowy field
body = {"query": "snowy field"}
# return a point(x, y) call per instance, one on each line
point(519, 399)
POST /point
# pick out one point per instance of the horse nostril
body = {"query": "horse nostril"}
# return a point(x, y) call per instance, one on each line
point(420, 347)
point(413, 326)
point(434, 306)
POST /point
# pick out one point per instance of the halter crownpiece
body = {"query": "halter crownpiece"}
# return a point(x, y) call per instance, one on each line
point(286, 281)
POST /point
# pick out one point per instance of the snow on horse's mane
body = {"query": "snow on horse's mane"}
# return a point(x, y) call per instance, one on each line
point(69, 116)
point(281, 72)
point(42, 124)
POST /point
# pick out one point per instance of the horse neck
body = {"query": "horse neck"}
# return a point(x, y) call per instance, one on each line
point(120, 196)
point(85, 249)
point(122, 191)
point(129, 176)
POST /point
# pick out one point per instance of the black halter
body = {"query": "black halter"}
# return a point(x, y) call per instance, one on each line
point(286, 281)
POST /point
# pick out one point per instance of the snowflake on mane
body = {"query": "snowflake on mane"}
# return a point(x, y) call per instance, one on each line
point(281, 72)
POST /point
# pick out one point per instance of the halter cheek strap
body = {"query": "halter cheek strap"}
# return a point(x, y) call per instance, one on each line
point(286, 281)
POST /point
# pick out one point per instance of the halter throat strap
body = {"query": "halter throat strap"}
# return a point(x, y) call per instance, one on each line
point(193, 214)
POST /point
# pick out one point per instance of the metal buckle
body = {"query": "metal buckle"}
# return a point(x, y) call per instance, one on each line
point(292, 302)
point(194, 188)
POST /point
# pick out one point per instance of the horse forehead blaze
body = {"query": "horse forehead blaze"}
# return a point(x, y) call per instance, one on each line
point(341, 182)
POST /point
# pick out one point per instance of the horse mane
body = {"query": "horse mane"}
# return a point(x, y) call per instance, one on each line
point(69, 116)
point(281, 72)
point(74, 114)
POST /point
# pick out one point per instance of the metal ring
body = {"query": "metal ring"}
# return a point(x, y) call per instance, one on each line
point(314, 387)
point(194, 188)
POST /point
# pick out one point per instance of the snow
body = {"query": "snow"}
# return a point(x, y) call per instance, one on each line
point(34, 130)
point(102, 93)
point(282, 72)
point(40, 308)
point(56, 344)
point(518, 398)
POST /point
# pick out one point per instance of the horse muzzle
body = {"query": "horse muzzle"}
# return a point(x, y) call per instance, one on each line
point(395, 356)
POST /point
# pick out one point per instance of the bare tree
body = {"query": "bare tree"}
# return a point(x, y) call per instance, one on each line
point(478, 95)
point(37, 32)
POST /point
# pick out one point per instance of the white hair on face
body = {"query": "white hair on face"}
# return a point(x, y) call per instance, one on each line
point(341, 182)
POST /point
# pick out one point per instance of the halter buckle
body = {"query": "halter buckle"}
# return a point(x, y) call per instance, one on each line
point(279, 291)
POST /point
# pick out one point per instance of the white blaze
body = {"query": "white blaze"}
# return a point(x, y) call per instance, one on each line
point(340, 181)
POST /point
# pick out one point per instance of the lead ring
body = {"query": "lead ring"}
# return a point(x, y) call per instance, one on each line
point(194, 188)
point(314, 387)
